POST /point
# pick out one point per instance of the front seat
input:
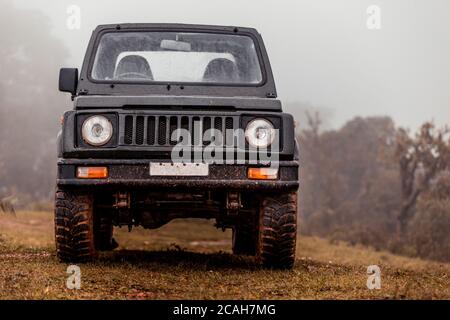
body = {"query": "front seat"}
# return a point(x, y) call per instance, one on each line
point(133, 67)
point(221, 70)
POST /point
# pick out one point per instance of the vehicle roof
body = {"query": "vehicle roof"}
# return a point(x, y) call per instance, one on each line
point(175, 26)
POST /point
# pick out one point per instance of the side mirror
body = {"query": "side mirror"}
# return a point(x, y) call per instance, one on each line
point(68, 80)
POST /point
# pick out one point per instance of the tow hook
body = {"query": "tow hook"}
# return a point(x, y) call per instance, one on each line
point(123, 203)
point(233, 203)
point(122, 200)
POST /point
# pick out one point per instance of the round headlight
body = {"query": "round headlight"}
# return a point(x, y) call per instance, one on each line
point(97, 130)
point(260, 133)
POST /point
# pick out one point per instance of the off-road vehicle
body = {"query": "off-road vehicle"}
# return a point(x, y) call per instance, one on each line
point(176, 121)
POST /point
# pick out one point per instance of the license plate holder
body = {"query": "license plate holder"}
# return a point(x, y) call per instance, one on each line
point(168, 169)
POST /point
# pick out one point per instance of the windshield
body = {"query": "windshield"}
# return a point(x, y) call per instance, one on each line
point(176, 57)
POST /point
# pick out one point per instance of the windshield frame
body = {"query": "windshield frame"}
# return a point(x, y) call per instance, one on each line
point(179, 83)
point(86, 86)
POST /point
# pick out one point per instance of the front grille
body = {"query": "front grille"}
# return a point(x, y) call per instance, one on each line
point(157, 130)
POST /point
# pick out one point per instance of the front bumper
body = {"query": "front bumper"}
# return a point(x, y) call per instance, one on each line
point(135, 174)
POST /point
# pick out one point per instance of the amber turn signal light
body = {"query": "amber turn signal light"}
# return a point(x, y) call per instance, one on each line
point(262, 173)
point(92, 172)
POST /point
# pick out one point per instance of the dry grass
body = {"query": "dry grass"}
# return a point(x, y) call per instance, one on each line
point(191, 260)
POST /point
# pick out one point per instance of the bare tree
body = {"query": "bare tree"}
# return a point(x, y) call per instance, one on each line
point(30, 105)
point(7, 205)
point(420, 158)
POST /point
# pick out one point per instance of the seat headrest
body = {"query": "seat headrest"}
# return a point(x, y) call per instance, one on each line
point(131, 66)
point(221, 70)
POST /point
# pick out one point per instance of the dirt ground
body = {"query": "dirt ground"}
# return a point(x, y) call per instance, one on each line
point(190, 259)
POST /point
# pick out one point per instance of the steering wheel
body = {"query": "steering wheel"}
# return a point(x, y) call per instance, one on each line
point(133, 75)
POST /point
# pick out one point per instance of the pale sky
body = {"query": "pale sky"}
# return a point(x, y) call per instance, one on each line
point(322, 53)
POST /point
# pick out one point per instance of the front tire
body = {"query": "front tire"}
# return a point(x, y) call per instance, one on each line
point(278, 231)
point(74, 226)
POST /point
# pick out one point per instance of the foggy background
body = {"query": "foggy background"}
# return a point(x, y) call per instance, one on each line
point(359, 181)
point(322, 53)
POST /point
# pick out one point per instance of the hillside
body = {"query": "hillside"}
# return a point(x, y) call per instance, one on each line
point(192, 260)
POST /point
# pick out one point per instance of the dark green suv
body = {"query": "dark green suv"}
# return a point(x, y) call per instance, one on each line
point(176, 121)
